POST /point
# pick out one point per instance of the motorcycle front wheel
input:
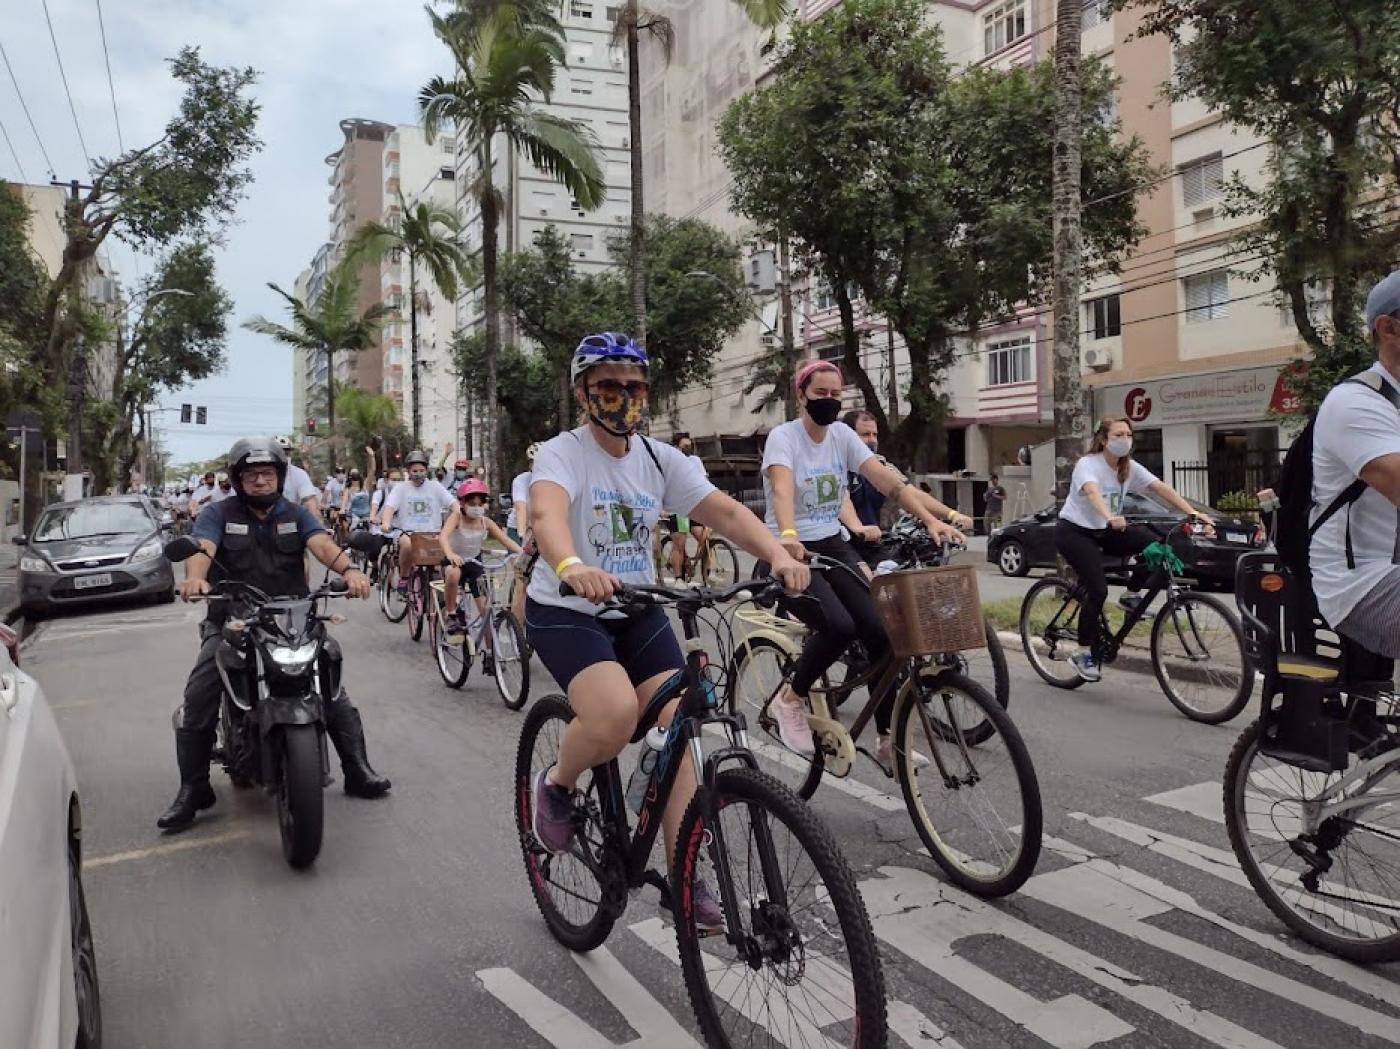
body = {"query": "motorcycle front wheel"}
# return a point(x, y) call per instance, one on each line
point(300, 801)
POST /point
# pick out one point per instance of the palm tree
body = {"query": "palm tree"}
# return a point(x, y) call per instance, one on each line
point(331, 325)
point(501, 70)
point(427, 233)
point(366, 420)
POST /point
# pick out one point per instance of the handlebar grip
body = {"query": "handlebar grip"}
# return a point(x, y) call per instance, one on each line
point(339, 586)
point(565, 590)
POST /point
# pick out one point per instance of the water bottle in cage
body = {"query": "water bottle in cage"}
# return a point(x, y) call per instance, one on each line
point(646, 765)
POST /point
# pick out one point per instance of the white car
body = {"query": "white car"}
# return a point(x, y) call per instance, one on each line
point(48, 968)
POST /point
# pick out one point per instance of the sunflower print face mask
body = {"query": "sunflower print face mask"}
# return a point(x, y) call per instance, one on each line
point(617, 407)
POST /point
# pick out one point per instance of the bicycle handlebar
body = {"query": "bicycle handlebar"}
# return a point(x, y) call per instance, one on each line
point(631, 598)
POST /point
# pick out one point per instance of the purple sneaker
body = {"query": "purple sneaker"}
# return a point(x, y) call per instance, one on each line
point(708, 914)
point(552, 815)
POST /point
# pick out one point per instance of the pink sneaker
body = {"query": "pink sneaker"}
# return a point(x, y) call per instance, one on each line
point(793, 729)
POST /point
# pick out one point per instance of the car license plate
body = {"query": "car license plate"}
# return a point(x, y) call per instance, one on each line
point(1237, 537)
point(89, 582)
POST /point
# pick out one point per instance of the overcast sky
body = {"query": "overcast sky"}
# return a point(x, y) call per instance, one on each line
point(319, 61)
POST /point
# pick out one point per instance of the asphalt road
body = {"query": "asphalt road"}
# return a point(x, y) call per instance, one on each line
point(416, 929)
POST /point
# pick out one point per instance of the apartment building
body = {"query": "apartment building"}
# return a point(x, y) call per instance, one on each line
point(1181, 341)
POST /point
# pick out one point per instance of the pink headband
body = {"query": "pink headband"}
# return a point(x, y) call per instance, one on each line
point(805, 373)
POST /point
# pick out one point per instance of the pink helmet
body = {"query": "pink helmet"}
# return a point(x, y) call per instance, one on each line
point(473, 486)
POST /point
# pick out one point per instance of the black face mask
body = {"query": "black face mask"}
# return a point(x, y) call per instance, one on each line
point(260, 502)
point(824, 410)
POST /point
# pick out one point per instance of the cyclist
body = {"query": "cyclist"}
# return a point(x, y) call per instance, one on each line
point(330, 495)
point(461, 473)
point(423, 502)
point(805, 466)
point(391, 480)
point(467, 527)
point(203, 494)
point(354, 501)
point(298, 487)
point(680, 525)
point(519, 518)
point(595, 498)
point(1091, 524)
point(223, 491)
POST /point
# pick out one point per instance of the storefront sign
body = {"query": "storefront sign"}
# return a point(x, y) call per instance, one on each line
point(1244, 395)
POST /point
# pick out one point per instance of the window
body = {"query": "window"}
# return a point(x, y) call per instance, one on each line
point(447, 173)
point(1201, 180)
point(1004, 24)
point(580, 53)
point(580, 10)
point(1096, 12)
point(1319, 300)
point(612, 13)
point(1009, 362)
point(823, 298)
point(582, 242)
point(1105, 318)
point(580, 86)
point(1207, 296)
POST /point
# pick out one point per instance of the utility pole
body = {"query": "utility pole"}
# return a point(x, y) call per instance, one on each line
point(789, 342)
point(894, 379)
point(77, 365)
point(413, 341)
point(1070, 422)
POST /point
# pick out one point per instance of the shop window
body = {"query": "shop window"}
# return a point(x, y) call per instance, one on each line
point(1105, 317)
point(1003, 25)
point(1207, 296)
point(1009, 362)
point(1147, 449)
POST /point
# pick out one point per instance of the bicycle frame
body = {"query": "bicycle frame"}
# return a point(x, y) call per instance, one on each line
point(1363, 776)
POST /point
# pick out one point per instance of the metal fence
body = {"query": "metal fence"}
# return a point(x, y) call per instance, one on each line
point(1224, 473)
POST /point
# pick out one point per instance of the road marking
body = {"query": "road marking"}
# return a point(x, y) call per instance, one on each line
point(1199, 799)
point(161, 850)
point(849, 785)
point(76, 631)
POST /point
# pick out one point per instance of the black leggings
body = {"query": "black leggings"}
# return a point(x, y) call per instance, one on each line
point(846, 612)
point(1084, 549)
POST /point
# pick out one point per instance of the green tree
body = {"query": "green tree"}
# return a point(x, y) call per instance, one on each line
point(331, 325)
point(1322, 83)
point(525, 396)
point(500, 71)
point(364, 420)
point(23, 287)
point(428, 234)
point(929, 194)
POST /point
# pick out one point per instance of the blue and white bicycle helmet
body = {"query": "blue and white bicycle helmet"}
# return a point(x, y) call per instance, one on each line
point(603, 348)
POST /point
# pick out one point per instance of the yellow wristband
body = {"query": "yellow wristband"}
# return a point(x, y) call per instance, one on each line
point(952, 516)
point(788, 533)
point(568, 562)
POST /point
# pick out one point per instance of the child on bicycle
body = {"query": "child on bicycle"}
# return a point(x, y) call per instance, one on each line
point(466, 529)
point(596, 495)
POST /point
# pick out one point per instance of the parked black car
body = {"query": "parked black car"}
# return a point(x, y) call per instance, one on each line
point(1029, 542)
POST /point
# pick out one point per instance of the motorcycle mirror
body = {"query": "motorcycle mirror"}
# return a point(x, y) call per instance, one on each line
point(180, 549)
point(339, 586)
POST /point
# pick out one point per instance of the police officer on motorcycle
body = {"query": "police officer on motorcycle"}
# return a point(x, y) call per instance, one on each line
point(259, 538)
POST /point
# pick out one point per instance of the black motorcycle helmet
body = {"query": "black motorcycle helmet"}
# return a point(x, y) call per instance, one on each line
point(256, 451)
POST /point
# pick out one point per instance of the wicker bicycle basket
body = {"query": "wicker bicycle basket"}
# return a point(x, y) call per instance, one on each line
point(927, 611)
point(425, 548)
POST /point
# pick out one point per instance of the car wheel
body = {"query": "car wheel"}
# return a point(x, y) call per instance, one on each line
point(1012, 559)
point(85, 988)
point(33, 613)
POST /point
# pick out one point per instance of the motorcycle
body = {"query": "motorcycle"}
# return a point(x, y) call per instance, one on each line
point(279, 667)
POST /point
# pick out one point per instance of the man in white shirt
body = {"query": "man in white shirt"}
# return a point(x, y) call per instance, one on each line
point(1354, 553)
point(330, 495)
point(222, 490)
point(203, 494)
point(419, 504)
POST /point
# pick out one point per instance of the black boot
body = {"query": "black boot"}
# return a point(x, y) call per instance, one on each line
point(192, 750)
point(347, 732)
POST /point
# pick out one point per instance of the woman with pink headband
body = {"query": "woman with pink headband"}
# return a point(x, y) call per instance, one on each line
point(805, 466)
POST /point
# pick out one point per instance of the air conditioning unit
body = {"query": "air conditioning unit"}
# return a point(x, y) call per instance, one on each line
point(1098, 360)
point(768, 340)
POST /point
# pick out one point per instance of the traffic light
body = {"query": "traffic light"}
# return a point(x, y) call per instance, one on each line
point(201, 415)
point(311, 424)
point(185, 411)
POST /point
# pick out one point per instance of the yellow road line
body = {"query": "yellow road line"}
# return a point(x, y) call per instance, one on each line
point(161, 850)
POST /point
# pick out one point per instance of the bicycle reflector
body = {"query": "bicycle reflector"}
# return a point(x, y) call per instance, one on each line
point(1271, 583)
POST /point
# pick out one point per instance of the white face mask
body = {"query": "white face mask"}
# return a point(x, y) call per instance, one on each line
point(1120, 446)
point(476, 512)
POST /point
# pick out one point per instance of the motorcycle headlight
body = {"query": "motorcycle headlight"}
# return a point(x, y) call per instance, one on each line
point(151, 548)
point(293, 660)
point(34, 564)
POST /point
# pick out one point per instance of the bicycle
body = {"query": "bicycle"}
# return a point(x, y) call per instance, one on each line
point(1197, 644)
point(976, 754)
point(714, 563)
point(427, 557)
point(794, 920)
point(392, 601)
point(495, 633)
point(1310, 805)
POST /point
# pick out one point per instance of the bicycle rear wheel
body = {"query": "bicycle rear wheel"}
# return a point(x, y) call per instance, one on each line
point(1199, 658)
point(976, 807)
point(798, 965)
point(1050, 631)
point(392, 603)
point(1338, 889)
point(566, 889)
point(511, 661)
point(723, 568)
point(761, 671)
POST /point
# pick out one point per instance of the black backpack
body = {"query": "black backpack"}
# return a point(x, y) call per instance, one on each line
point(1292, 532)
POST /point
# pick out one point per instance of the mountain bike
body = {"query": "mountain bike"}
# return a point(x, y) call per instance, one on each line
point(797, 946)
point(494, 633)
point(1196, 642)
point(715, 562)
point(981, 819)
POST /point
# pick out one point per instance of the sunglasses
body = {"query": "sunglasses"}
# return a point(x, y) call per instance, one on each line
point(613, 388)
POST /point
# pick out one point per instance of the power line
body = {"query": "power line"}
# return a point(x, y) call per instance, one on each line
point(27, 115)
point(20, 167)
point(111, 88)
point(87, 157)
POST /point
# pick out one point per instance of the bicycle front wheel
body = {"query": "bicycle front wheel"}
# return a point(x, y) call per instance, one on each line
point(511, 661)
point(798, 963)
point(416, 605)
point(392, 603)
point(1050, 631)
point(1336, 888)
point(976, 806)
point(1199, 658)
point(722, 569)
point(452, 652)
point(762, 668)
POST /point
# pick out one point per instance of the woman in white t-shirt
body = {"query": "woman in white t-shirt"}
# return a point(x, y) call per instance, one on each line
point(1091, 524)
point(806, 463)
point(596, 495)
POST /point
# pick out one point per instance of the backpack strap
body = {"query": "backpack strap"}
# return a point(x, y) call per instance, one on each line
point(1372, 381)
point(651, 452)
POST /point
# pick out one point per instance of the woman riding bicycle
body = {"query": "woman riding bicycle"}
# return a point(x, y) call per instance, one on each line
point(354, 501)
point(805, 467)
point(1091, 524)
point(596, 495)
point(466, 529)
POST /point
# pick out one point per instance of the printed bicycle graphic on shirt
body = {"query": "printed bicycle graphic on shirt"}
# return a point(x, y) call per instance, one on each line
point(623, 526)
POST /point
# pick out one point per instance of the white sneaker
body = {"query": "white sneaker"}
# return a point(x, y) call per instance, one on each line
point(884, 753)
point(793, 729)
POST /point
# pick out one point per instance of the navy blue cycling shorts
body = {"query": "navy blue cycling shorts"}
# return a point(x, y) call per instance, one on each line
point(568, 642)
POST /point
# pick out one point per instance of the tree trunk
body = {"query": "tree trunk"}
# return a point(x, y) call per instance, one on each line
point(636, 253)
point(492, 306)
point(789, 342)
point(851, 366)
point(413, 345)
point(1070, 423)
point(330, 409)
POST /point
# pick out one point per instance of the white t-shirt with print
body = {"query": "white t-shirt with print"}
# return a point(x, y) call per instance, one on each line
point(1355, 426)
point(298, 486)
point(519, 493)
point(819, 475)
point(1078, 510)
point(614, 505)
point(419, 507)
